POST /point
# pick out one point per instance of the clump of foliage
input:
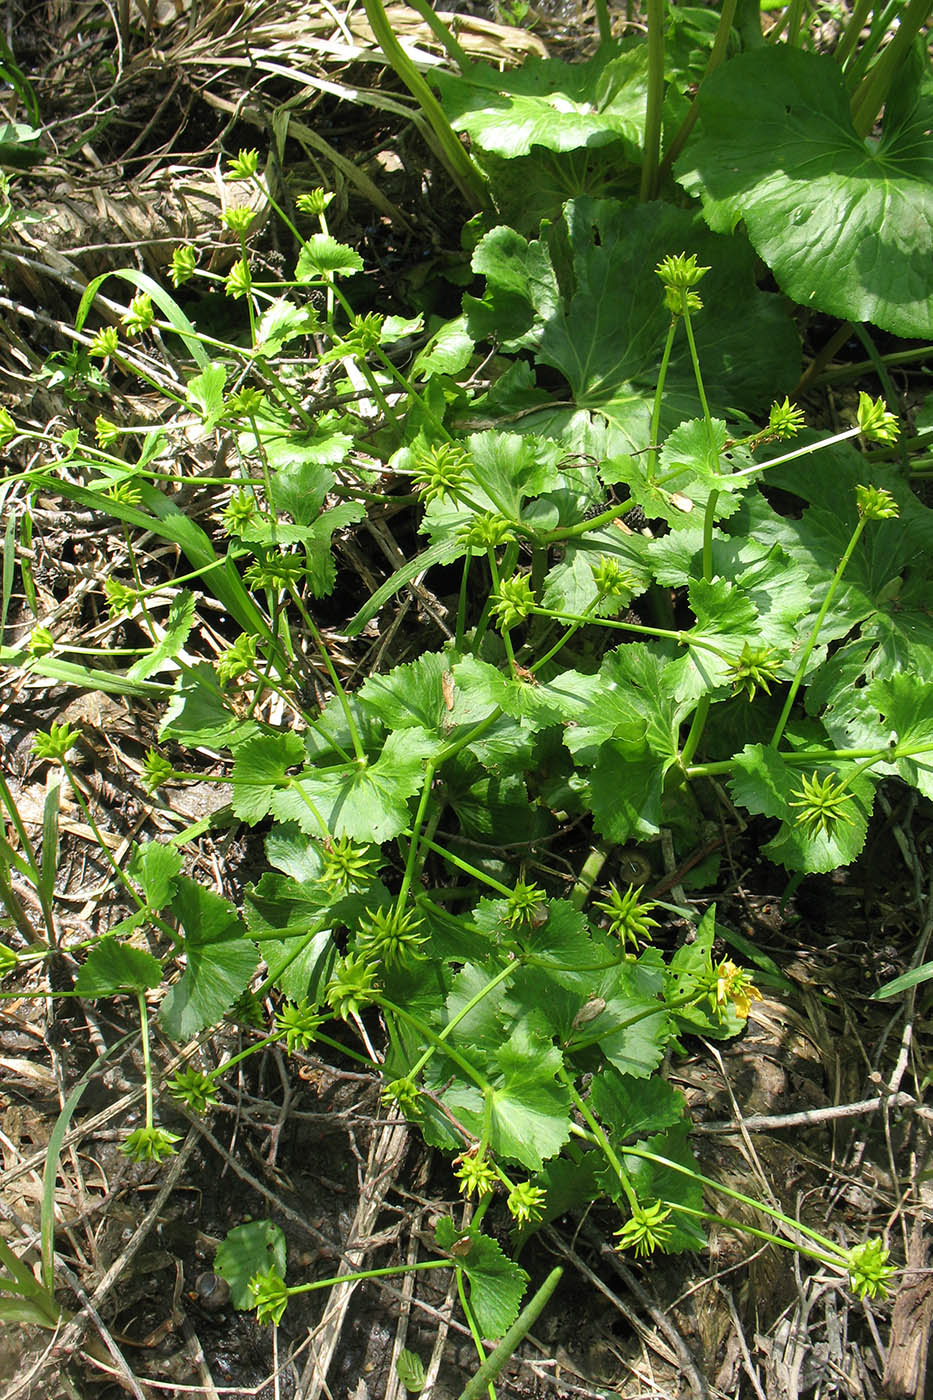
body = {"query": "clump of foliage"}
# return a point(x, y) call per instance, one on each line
point(595, 675)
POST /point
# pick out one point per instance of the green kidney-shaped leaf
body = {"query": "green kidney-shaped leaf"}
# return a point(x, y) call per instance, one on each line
point(366, 803)
point(117, 967)
point(321, 254)
point(845, 224)
point(220, 961)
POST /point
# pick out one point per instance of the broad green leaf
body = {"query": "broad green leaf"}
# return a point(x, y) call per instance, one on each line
point(321, 255)
point(177, 627)
point(501, 471)
point(570, 1183)
point(547, 102)
point(197, 713)
point(366, 803)
point(765, 783)
point(845, 224)
point(220, 960)
point(449, 351)
point(412, 695)
point(570, 587)
point(247, 1250)
point(634, 1029)
point(154, 865)
point(479, 1033)
point(480, 688)
point(629, 1107)
point(493, 805)
point(536, 186)
point(899, 711)
point(632, 701)
point(625, 790)
point(527, 1111)
point(288, 449)
point(585, 300)
point(206, 393)
point(496, 1283)
point(260, 765)
point(114, 967)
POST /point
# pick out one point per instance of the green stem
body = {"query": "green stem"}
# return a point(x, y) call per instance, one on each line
point(834, 1254)
point(439, 1037)
point(462, 601)
point(471, 1323)
point(464, 172)
point(514, 1336)
point(809, 757)
point(856, 23)
point(416, 836)
point(334, 678)
point(436, 1039)
point(147, 1061)
point(443, 35)
point(653, 446)
point(585, 527)
point(845, 436)
point(815, 632)
point(561, 641)
point(590, 872)
point(695, 734)
point(388, 1272)
point(650, 163)
point(872, 92)
point(596, 1128)
point(490, 881)
point(717, 54)
point(603, 22)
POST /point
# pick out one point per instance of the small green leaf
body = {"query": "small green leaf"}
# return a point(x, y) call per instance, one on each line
point(206, 393)
point(114, 967)
point(154, 865)
point(247, 1250)
point(259, 768)
point(410, 1370)
point(177, 627)
point(496, 1283)
point(321, 255)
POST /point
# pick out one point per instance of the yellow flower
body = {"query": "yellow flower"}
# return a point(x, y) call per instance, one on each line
point(734, 984)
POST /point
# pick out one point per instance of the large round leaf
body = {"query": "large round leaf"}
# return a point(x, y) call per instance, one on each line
point(846, 225)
